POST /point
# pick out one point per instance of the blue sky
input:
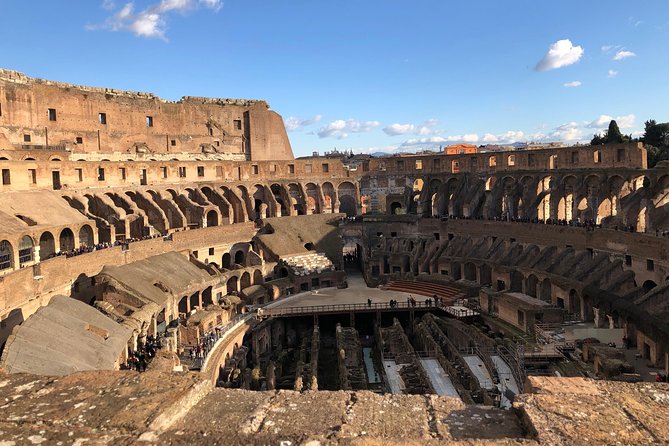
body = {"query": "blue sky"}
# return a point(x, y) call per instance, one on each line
point(375, 75)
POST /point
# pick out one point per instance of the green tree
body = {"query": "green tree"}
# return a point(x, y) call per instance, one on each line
point(597, 140)
point(656, 139)
point(613, 135)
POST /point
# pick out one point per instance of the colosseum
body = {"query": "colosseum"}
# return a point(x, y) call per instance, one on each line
point(170, 273)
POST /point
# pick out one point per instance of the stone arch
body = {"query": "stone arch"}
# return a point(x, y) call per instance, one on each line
point(240, 257)
point(544, 209)
point(47, 245)
point(485, 275)
point(347, 205)
point(456, 271)
point(568, 199)
point(531, 287)
point(470, 272)
point(6, 255)
point(279, 197)
point(226, 261)
point(648, 285)
point(257, 277)
point(313, 199)
point(517, 280)
point(86, 237)
point(329, 196)
point(296, 198)
point(212, 218)
point(347, 199)
point(183, 305)
point(396, 208)
point(546, 290)
point(26, 250)
point(245, 280)
point(232, 284)
point(66, 240)
point(574, 306)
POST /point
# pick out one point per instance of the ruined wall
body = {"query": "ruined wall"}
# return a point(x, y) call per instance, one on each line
point(54, 115)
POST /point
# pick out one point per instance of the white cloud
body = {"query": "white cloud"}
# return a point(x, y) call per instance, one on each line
point(216, 5)
point(293, 123)
point(606, 49)
point(425, 129)
point(570, 132)
point(624, 122)
point(560, 54)
point(340, 128)
point(623, 54)
point(612, 73)
point(490, 138)
point(150, 22)
point(573, 84)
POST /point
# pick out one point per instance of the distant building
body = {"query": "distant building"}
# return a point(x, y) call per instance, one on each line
point(545, 145)
point(460, 149)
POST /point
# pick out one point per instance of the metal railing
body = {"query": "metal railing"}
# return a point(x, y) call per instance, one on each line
point(345, 308)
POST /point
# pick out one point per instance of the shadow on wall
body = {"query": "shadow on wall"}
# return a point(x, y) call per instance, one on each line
point(13, 319)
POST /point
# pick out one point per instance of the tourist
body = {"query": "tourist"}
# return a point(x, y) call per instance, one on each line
point(369, 302)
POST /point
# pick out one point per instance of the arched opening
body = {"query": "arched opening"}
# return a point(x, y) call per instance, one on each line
point(183, 305)
point(347, 202)
point(283, 272)
point(395, 208)
point(278, 196)
point(231, 285)
point(347, 205)
point(207, 297)
point(66, 240)
point(485, 275)
point(86, 236)
point(313, 199)
point(225, 261)
point(47, 246)
point(470, 272)
point(456, 271)
point(531, 289)
point(194, 301)
point(546, 290)
point(516, 282)
point(574, 304)
point(257, 277)
point(26, 251)
point(239, 257)
point(6, 255)
point(245, 281)
point(648, 285)
point(212, 218)
point(309, 246)
point(328, 196)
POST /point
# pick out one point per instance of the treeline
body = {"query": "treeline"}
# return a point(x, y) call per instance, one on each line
point(655, 137)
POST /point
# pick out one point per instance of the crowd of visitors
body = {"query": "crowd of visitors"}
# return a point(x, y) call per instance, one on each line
point(139, 359)
point(84, 249)
point(202, 348)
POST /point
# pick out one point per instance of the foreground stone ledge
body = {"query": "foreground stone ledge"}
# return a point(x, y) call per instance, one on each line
point(563, 411)
point(127, 408)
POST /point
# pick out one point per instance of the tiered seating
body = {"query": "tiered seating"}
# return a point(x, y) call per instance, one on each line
point(306, 264)
point(448, 294)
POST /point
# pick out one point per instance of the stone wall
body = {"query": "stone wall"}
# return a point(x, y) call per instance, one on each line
point(85, 119)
